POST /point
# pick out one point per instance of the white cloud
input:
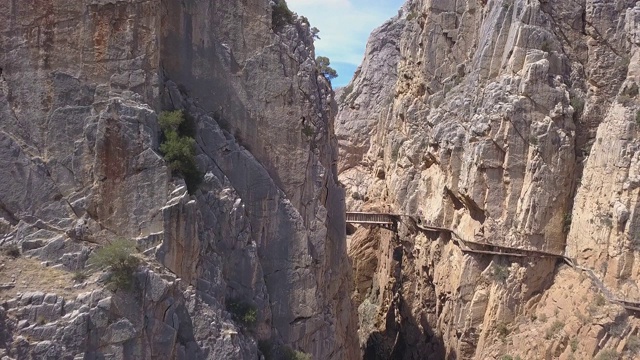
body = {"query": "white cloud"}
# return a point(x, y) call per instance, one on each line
point(344, 25)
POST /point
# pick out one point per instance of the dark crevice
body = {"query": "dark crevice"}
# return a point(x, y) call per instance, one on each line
point(299, 319)
point(475, 211)
point(8, 215)
point(350, 229)
point(405, 335)
point(457, 204)
point(464, 201)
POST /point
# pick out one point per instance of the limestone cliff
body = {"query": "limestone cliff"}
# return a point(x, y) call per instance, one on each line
point(513, 123)
point(81, 87)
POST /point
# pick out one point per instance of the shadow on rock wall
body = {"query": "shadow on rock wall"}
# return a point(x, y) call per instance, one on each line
point(404, 337)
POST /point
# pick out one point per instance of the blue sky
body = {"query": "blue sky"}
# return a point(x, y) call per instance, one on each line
point(344, 27)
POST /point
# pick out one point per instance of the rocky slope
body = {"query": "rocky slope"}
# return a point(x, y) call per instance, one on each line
point(513, 123)
point(81, 86)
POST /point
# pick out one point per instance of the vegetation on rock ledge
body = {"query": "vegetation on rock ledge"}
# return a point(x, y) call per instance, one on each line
point(323, 67)
point(280, 15)
point(178, 147)
point(243, 312)
point(272, 351)
point(11, 250)
point(290, 354)
point(118, 256)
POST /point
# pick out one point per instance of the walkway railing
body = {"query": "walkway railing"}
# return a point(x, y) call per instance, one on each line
point(387, 221)
point(390, 221)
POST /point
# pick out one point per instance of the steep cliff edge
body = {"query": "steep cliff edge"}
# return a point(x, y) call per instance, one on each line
point(513, 123)
point(81, 87)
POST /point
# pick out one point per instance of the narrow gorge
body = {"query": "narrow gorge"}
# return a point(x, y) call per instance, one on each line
point(180, 181)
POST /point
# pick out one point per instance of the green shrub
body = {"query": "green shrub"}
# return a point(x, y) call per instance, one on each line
point(574, 344)
point(608, 354)
point(566, 222)
point(555, 327)
point(179, 147)
point(118, 256)
point(600, 300)
point(638, 117)
point(290, 354)
point(577, 103)
point(633, 344)
point(170, 120)
point(307, 130)
point(500, 273)
point(327, 71)
point(314, 32)
point(280, 15)
point(584, 319)
point(11, 250)
point(502, 330)
point(79, 276)
point(243, 312)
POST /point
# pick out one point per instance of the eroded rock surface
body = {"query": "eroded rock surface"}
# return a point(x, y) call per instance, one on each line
point(512, 123)
point(81, 88)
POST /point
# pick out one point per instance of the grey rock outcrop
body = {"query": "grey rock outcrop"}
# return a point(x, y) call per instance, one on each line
point(156, 325)
point(501, 111)
point(372, 90)
point(81, 87)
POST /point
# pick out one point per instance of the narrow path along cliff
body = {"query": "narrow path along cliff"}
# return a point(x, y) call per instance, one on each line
point(512, 126)
point(180, 181)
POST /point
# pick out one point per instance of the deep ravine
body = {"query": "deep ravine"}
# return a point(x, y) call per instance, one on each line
point(504, 133)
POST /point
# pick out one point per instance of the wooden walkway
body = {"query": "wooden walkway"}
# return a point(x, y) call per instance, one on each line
point(387, 221)
point(390, 222)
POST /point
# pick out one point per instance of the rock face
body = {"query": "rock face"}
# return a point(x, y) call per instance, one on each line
point(81, 87)
point(513, 123)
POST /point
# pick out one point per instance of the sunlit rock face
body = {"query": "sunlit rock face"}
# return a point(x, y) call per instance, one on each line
point(513, 123)
point(81, 86)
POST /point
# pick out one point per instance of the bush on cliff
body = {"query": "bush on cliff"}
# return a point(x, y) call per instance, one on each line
point(323, 63)
point(118, 256)
point(11, 250)
point(179, 147)
point(290, 354)
point(243, 312)
point(280, 15)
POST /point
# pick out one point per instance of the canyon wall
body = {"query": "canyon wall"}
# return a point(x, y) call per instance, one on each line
point(82, 84)
point(512, 123)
